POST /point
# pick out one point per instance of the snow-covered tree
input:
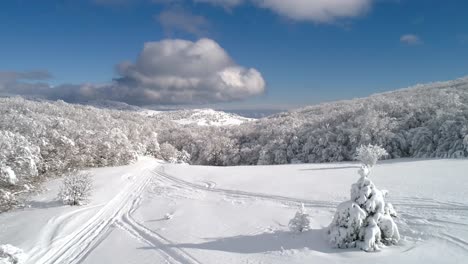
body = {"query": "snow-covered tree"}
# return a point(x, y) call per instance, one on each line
point(11, 255)
point(370, 154)
point(366, 221)
point(19, 154)
point(265, 158)
point(301, 221)
point(8, 200)
point(40, 138)
point(183, 156)
point(423, 121)
point(152, 145)
point(7, 176)
point(76, 188)
point(168, 152)
point(465, 142)
point(217, 150)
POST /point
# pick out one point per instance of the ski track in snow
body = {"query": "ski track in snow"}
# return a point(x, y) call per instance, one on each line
point(412, 210)
point(242, 194)
point(421, 218)
point(405, 202)
point(155, 240)
point(137, 230)
point(72, 248)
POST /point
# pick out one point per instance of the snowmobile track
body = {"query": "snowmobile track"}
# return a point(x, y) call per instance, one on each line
point(421, 207)
point(73, 248)
point(157, 241)
point(423, 204)
point(137, 230)
point(243, 194)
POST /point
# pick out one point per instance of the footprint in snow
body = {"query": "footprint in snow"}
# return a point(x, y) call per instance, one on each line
point(168, 216)
point(209, 184)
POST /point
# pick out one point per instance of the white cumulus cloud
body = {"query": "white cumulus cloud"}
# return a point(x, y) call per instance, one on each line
point(170, 71)
point(410, 39)
point(181, 71)
point(320, 11)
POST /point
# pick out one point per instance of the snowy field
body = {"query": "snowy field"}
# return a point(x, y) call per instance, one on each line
point(150, 212)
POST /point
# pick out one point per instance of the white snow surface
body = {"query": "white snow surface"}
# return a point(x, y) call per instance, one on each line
point(150, 212)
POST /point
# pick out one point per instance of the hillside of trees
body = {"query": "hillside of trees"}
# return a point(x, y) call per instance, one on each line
point(43, 138)
point(425, 121)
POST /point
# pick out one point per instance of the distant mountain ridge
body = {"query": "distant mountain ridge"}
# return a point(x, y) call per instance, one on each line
point(201, 117)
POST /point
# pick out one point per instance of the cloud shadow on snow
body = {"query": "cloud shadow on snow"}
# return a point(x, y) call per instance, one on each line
point(45, 204)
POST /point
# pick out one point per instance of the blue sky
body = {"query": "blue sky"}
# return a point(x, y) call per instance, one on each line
point(304, 58)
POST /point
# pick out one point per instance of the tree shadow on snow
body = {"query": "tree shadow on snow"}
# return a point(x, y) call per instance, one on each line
point(158, 220)
point(331, 168)
point(268, 242)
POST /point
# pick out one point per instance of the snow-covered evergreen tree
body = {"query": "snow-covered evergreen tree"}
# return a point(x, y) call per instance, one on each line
point(301, 221)
point(367, 220)
point(76, 188)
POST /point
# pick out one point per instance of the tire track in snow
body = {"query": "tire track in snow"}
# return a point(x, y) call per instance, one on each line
point(72, 248)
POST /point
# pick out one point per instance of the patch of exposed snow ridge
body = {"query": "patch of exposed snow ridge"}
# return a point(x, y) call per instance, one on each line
point(200, 117)
point(210, 117)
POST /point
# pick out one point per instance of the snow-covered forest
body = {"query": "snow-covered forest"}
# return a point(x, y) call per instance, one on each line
point(47, 138)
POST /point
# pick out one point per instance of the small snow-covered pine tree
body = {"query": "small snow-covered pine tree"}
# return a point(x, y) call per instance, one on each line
point(366, 221)
point(300, 222)
point(76, 188)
